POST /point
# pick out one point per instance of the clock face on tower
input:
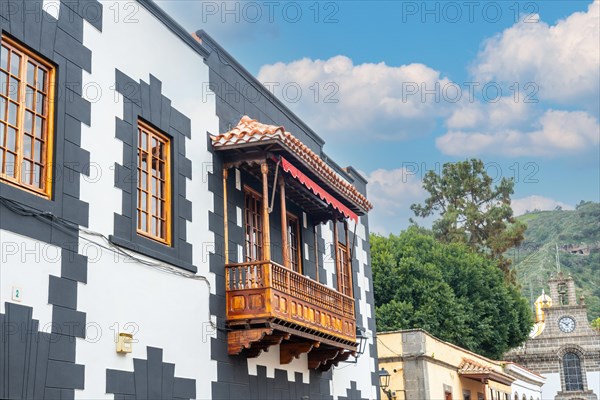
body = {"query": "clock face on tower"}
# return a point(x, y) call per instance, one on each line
point(566, 324)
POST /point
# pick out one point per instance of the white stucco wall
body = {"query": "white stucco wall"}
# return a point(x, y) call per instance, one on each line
point(165, 310)
point(531, 391)
point(26, 264)
point(593, 381)
point(551, 387)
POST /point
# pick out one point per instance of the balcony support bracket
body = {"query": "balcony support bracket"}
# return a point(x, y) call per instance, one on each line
point(288, 351)
point(323, 360)
point(239, 340)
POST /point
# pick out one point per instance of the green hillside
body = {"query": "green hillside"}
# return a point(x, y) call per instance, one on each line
point(535, 259)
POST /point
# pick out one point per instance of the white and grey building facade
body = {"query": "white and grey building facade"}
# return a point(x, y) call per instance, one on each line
point(116, 241)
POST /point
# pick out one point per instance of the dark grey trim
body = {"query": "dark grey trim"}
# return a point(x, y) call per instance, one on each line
point(150, 379)
point(34, 363)
point(143, 100)
point(337, 167)
point(357, 176)
point(39, 362)
point(46, 36)
point(174, 26)
point(213, 46)
point(352, 393)
point(265, 388)
point(370, 298)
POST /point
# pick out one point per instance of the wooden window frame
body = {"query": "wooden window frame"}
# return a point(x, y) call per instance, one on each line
point(153, 132)
point(293, 219)
point(47, 138)
point(346, 267)
point(344, 273)
point(256, 226)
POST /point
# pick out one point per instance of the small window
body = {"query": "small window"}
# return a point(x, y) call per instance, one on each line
point(572, 372)
point(343, 267)
point(26, 118)
point(253, 225)
point(154, 184)
point(295, 252)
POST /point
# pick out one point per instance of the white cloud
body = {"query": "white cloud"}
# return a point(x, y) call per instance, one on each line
point(530, 203)
point(392, 192)
point(562, 59)
point(554, 134)
point(358, 99)
point(505, 113)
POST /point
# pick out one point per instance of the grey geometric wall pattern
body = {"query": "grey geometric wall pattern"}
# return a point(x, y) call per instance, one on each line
point(34, 364)
point(150, 379)
point(145, 100)
point(39, 362)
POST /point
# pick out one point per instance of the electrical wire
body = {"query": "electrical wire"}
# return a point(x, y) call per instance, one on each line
point(72, 229)
point(384, 345)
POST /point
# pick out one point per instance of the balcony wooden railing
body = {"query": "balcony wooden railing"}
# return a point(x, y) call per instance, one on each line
point(264, 291)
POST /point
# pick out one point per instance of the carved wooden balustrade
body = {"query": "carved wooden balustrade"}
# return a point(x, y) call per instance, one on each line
point(268, 303)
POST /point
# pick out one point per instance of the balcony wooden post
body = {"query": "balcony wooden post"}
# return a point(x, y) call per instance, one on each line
point(349, 266)
point(225, 217)
point(284, 225)
point(316, 253)
point(264, 169)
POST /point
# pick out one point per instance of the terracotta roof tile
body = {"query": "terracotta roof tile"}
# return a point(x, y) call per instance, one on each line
point(249, 130)
point(473, 367)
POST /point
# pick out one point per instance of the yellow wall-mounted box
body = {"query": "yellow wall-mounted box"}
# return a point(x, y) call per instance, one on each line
point(124, 342)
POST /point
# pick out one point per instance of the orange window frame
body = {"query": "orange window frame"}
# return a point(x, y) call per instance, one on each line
point(33, 124)
point(153, 193)
point(294, 243)
point(344, 271)
point(253, 245)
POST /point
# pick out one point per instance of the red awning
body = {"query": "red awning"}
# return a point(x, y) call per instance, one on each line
point(317, 190)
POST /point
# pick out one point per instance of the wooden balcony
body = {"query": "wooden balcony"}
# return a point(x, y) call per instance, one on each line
point(268, 304)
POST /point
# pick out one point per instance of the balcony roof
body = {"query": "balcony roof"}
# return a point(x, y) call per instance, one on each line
point(474, 370)
point(251, 133)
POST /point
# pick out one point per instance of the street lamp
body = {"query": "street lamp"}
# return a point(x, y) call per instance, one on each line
point(384, 382)
point(361, 345)
point(361, 337)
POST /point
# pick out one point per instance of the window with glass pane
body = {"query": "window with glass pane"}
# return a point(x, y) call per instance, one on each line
point(253, 225)
point(572, 372)
point(294, 243)
point(343, 267)
point(26, 113)
point(154, 185)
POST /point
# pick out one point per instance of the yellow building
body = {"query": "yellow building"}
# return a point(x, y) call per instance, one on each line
point(424, 367)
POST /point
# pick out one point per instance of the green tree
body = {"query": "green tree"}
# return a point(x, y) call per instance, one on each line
point(596, 324)
point(471, 211)
point(452, 292)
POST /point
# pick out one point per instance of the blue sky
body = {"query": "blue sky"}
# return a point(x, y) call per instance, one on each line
point(369, 73)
